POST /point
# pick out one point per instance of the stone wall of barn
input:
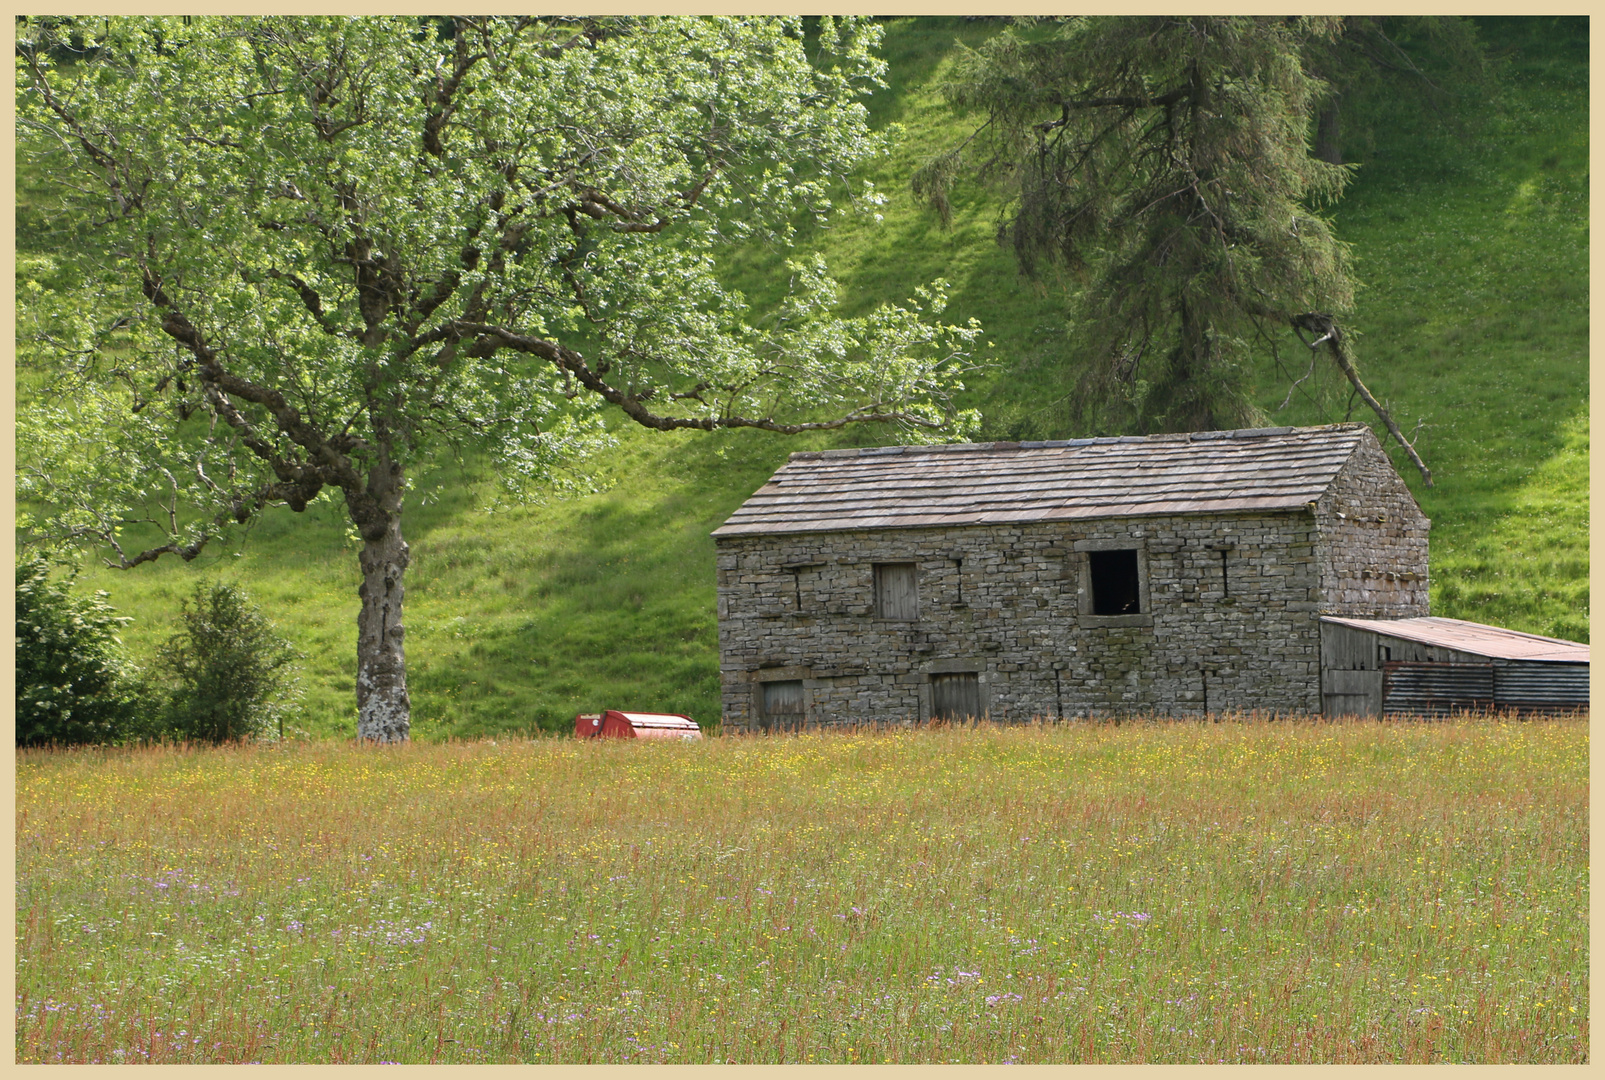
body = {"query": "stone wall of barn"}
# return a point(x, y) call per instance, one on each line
point(1373, 541)
point(1229, 619)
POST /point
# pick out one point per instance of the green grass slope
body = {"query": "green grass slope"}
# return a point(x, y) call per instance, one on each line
point(1473, 248)
point(1473, 322)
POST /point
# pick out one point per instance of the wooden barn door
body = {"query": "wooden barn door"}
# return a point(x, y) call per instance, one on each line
point(955, 696)
point(783, 705)
point(1351, 678)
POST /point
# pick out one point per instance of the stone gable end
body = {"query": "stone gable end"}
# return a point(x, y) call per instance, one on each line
point(1373, 541)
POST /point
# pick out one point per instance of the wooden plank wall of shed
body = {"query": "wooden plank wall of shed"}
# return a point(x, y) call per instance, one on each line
point(1393, 648)
point(1347, 651)
point(1351, 677)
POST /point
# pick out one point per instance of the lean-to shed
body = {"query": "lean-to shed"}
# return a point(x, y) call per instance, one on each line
point(1432, 666)
point(1170, 573)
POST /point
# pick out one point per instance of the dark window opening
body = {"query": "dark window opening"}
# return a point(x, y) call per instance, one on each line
point(1225, 585)
point(955, 696)
point(1114, 582)
point(783, 703)
point(896, 595)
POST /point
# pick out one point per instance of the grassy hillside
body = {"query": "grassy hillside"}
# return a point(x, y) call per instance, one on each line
point(1472, 242)
point(1474, 251)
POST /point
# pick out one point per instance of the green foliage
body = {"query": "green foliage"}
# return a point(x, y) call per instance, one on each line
point(1163, 163)
point(306, 256)
point(1435, 64)
point(74, 684)
point(1474, 320)
point(298, 251)
point(231, 676)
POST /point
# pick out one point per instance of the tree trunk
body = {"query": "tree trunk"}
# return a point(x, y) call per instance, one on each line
point(384, 712)
point(1328, 140)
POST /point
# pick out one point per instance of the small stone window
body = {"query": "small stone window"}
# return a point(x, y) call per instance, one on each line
point(783, 704)
point(896, 591)
point(1113, 586)
point(1115, 589)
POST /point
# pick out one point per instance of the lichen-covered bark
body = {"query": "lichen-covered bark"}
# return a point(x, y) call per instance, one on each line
point(383, 708)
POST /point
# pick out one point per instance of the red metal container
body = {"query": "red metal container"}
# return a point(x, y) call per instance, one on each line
point(613, 724)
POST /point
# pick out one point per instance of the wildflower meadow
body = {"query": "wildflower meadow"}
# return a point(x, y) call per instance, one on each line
point(1160, 892)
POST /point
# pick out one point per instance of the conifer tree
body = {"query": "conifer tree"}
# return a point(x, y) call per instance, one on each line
point(1161, 167)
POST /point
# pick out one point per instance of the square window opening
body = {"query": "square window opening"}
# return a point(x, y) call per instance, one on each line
point(896, 591)
point(1115, 586)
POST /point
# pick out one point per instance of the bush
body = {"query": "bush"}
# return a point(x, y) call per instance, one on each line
point(232, 676)
point(74, 684)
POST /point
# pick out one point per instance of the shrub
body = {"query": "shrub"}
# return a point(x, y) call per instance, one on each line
point(74, 684)
point(232, 676)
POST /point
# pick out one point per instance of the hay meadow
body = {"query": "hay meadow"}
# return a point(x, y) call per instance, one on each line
point(1243, 891)
point(1246, 891)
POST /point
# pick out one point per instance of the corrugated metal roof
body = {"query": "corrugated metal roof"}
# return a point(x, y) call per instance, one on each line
point(1470, 637)
point(893, 487)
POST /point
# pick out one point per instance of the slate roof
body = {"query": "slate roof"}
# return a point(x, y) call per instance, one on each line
point(1470, 637)
point(993, 483)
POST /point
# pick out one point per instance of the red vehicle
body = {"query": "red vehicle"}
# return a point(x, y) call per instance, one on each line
point(612, 724)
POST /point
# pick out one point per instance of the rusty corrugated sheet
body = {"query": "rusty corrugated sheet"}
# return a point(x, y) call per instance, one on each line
point(1533, 687)
point(1420, 688)
point(1413, 687)
point(1470, 637)
point(1128, 476)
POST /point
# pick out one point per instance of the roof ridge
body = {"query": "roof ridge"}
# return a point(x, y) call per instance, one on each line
point(1054, 444)
point(1249, 470)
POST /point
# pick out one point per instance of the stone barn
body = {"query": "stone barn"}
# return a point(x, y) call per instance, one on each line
point(1173, 574)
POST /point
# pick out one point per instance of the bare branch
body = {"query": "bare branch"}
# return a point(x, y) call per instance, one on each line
point(1332, 337)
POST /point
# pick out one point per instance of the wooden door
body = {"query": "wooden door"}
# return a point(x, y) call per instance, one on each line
point(1351, 678)
point(955, 696)
point(896, 592)
point(783, 704)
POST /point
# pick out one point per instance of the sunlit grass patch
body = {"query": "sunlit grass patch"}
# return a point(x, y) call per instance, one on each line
point(1150, 892)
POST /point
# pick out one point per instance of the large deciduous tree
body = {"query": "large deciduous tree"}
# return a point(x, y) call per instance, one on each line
point(298, 254)
point(1164, 164)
